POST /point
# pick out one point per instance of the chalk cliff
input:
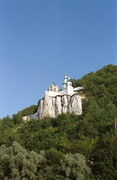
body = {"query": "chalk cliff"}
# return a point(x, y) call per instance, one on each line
point(53, 106)
point(56, 101)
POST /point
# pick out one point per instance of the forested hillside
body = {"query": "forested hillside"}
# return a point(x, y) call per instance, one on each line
point(68, 147)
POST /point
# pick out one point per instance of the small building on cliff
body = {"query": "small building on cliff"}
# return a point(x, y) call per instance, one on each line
point(58, 101)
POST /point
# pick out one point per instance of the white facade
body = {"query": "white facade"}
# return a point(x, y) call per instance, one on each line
point(29, 117)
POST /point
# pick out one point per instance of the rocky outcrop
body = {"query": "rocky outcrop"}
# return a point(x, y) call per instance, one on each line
point(53, 106)
point(58, 101)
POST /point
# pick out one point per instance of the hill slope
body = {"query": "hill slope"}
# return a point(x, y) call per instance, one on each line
point(69, 147)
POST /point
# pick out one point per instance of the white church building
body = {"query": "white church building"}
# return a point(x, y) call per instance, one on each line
point(67, 88)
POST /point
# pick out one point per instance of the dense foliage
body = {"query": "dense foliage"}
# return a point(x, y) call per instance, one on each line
point(29, 110)
point(68, 147)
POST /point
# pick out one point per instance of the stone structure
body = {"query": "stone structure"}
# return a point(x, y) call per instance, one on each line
point(29, 117)
point(56, 102)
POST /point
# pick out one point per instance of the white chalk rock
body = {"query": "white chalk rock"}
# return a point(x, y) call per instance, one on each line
point(53, 106)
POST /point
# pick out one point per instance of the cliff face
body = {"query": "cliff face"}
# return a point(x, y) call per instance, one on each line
point(58, 101)
point(53, 106)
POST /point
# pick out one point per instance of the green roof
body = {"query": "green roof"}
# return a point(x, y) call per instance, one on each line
point(69, 80)
point(54, 84)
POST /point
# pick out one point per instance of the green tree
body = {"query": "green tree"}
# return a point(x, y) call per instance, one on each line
point(17, 163)
point(104, 157)
point(74, 166)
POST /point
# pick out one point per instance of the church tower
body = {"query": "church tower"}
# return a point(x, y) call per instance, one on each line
point(69, 86)
point(69, 83)
point(64, 85)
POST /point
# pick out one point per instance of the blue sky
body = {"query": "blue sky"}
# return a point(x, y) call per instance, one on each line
point(42, 40)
